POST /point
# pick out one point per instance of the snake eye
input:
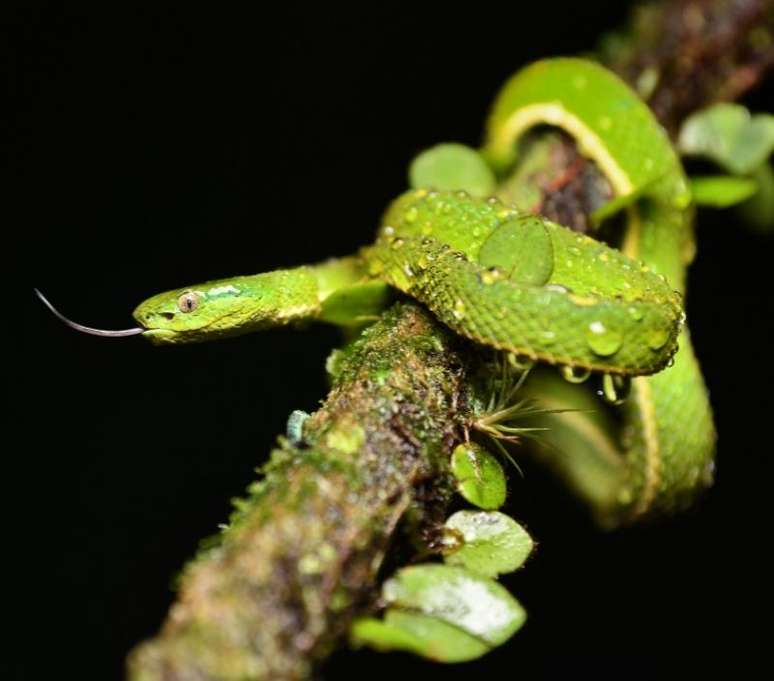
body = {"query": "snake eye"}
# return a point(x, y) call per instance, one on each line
point(188, 302)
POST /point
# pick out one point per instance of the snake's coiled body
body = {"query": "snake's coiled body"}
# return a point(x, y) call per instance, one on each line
point(526, 285)
point(523, 284)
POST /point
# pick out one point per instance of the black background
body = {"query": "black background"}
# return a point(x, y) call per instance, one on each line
point(157, 148)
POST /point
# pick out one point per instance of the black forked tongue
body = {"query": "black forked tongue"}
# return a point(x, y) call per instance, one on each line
point(87, 329)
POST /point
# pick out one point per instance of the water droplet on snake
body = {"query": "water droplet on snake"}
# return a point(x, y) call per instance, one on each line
point(490, 275)
point(557, 288)
point(615, 388)
point(602, 340)
point(520, 361)
point(657, 338)
point(574, 374)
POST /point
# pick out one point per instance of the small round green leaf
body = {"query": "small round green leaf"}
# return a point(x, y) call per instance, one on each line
point(493, 543)
point(450, 167)
point(475, 604)
point(480, 477)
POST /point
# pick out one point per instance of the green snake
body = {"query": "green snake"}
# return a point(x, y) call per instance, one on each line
point(525, 285)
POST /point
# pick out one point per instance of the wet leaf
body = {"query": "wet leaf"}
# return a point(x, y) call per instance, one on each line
point(492, 542)
point(419, 634)
point(474, 604)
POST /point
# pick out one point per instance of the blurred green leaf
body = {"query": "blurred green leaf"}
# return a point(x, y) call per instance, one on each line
point(721, 191)
point(492, 543)
point(729, 135)
point(450, 167)
point(480, 477)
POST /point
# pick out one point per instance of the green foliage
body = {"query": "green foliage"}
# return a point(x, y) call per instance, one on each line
point(721, 191)
point(443, 612)
point(480, 477)
point(489, 543)
point(450, 167)
point(729, 135)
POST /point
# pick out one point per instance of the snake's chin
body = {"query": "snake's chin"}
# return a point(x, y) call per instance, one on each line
point(162, 336)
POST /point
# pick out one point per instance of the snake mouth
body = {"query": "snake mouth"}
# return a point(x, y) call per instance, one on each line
point(104, 333)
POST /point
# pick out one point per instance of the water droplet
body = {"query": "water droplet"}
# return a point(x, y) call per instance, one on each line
point(408, 271)
point(708, 474)
point(657, 338)
point(635, 313)
point(387, 230)
point(422, 262)
point(575, 374)
point(574, 250)
point(670, 362)
point(490, 275)
point(548, 337)
point(604, 257)
point(603, 341)
point(397, 243)
point(411, 215)
point(462, 194)
point(520, 361)
point(493, 201)
point(420, 193)
point(557, 288)
point(459, 309)
point(615, 389)
point(476, 231)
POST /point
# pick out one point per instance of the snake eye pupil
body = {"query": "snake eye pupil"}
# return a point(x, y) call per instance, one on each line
point(188, 302)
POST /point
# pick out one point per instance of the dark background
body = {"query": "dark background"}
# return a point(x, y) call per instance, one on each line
point(158, 148)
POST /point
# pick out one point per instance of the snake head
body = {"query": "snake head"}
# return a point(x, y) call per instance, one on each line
point(201, 312)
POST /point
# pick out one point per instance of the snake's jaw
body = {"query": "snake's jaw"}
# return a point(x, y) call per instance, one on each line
point(161, 336)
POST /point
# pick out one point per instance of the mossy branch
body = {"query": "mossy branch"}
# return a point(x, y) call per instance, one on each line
point(301, 555)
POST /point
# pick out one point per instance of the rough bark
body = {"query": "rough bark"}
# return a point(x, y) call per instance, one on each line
point(301, 555)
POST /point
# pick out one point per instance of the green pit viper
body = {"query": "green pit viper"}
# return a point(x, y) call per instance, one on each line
point(522, 284)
